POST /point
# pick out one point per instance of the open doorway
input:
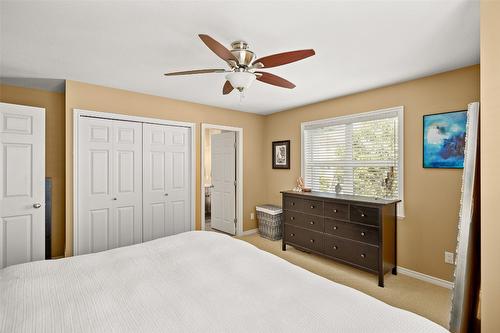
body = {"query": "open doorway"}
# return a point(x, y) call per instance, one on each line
point(222, 179)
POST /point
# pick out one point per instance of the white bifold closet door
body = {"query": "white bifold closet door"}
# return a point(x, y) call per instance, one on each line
point(110, 184)
point(22, 184)
point(166, 197)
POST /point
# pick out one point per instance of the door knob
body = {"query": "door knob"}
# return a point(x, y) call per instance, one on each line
point(37, 205)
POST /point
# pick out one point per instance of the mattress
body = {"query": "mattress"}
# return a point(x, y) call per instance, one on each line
point(192, 282)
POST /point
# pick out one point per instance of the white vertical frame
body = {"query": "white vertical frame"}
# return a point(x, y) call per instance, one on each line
point(78, 113)
point(239, 173)
point(348, 118)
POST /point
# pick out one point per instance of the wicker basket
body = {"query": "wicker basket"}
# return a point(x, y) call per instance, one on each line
point(270, 221)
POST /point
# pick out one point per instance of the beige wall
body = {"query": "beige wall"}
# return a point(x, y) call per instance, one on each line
point(432, 196)
point(97, 98)
point(490, 166)
point(54, 159)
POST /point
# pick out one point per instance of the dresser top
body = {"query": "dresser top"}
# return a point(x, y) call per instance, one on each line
point(343, 197)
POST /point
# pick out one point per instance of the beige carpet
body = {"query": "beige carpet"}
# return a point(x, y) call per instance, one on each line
point(404, 292)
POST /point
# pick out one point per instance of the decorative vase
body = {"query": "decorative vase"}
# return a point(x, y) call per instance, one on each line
point(338, 188)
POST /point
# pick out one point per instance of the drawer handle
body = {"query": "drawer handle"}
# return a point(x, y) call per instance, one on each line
point(363, 215)
point(335, 247)
point(292, 234)
point(312, 206)
point(335, 211)
point(312, 240)
point(292, 218)
point(293, 203)
point(363, 255)
point(335, 228)
point(362, 233)
point(311, 223)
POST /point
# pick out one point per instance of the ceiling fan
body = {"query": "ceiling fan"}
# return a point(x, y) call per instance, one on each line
point(244, 67)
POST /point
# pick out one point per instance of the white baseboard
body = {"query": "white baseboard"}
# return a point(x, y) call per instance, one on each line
point(425, 277)
point(250, 232)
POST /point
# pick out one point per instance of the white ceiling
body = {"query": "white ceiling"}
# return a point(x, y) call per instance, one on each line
point(129, 45)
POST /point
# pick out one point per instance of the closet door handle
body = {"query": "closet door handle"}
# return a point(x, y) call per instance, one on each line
point(114, 199)
point(166, 194)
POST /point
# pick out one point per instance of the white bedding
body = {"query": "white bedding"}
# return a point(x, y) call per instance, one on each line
point(191, 282)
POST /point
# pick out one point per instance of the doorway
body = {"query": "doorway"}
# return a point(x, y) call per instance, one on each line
point(222, 179)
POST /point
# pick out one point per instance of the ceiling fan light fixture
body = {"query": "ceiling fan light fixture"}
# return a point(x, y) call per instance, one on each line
point(241, 80)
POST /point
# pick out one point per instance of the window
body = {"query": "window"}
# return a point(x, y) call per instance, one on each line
point(363, 153)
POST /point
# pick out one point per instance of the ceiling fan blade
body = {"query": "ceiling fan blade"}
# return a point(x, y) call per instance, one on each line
point(274, 80)
point(284, 58)
point(196, 71)
point(227, 88)
point(218, 48)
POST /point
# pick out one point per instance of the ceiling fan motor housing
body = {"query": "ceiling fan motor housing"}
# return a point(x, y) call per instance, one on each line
point(242, 53)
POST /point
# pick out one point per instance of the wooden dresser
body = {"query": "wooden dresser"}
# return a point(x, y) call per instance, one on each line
point(355, 230)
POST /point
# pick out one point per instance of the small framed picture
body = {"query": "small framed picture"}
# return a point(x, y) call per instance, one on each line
point(444, 140)
point(281, 154)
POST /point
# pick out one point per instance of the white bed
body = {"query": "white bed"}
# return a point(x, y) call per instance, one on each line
point(191, 282)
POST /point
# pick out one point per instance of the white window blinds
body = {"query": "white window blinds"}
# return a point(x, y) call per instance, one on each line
point(362, 153)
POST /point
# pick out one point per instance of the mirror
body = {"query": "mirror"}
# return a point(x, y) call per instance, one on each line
point(466, 287)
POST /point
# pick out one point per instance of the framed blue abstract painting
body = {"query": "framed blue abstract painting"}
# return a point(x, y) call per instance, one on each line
point(444, 140)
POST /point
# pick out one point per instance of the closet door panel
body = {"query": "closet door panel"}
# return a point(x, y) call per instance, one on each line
point(178, 142)
point(109, 183)
point(166, 189)
point(95, 166)
point(127, 183)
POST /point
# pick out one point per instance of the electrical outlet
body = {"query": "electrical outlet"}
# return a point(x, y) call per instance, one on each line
point(252, 216)
point(449, 257)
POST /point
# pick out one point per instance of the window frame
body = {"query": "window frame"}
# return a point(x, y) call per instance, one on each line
point(364, 116)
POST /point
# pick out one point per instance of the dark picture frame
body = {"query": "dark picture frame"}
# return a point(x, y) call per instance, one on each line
point(281, 154)
point(455, 162)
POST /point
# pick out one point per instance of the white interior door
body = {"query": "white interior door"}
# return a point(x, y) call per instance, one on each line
point(166, 194)
point(109, 184)
point(22, 183)
point(223, 200)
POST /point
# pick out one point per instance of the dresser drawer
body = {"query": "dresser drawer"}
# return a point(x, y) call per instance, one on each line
point(313, 222)
point(312, 207)
point(305, 238)
point(294, 218)
point(354, 252)
point(293, 203)
point(337, 210)
point(352, 231)
point(363, 214)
